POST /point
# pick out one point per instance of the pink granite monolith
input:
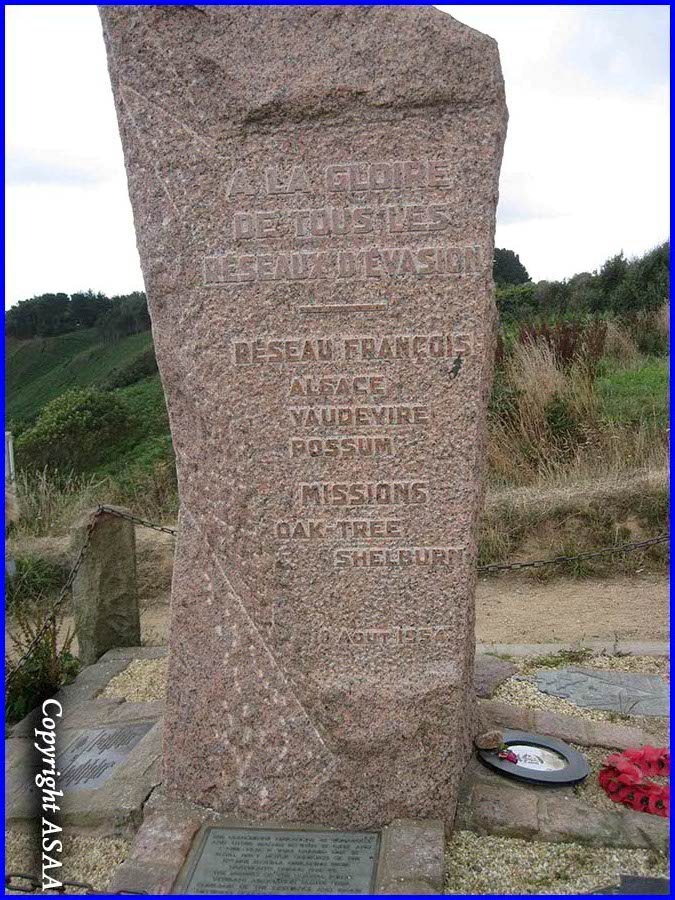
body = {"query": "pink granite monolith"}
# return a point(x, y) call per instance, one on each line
point(314, 193)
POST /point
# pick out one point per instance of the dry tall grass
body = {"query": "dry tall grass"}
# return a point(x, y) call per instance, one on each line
point(548, 412)
point(619, 344)
point(50, 501)
point(545, 426)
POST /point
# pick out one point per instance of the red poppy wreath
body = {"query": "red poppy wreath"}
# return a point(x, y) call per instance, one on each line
point(623, 779)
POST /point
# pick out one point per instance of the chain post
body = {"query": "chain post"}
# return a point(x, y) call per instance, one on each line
point(138, 521)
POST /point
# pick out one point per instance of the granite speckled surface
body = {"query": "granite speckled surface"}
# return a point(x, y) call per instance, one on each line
point(314, 194)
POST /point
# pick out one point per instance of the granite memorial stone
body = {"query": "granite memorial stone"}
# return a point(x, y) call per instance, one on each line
point(314, 194)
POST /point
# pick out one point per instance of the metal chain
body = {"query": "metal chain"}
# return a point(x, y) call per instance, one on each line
point(144, 522)
point(36, 885)
point(49, 620)
point(557, 560)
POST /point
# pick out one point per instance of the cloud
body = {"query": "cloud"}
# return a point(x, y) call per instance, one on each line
point(620, 49)
point(585, 171)
point(521, 198)
point(32, 168)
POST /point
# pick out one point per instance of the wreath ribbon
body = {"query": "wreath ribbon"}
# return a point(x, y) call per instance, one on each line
point(623, 779)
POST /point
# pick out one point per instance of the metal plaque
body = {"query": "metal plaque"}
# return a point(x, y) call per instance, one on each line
point(539, 758)
point(280, 861)
point(88, 761)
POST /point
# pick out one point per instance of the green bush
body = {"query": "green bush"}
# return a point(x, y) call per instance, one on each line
point(139, 368)
point(516, 301)
point(75, 431)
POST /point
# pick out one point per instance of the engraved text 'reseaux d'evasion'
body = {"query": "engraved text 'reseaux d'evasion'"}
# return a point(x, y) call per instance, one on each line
point(373, 215)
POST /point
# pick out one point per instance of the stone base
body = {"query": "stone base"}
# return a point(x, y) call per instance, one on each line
point(411, 859)
point(574, 729)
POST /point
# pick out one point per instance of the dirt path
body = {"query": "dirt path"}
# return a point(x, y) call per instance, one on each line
point(520, 610)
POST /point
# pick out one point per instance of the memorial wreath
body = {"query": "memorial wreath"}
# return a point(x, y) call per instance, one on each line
point(623, 779)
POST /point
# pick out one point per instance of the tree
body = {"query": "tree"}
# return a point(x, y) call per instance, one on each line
point(609, 279)
point(87, 307)
point(646, 284)
point(128, 314)
point(508, 269)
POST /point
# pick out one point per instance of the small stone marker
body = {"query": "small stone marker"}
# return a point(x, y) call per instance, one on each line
point(89, 760)
point(105, 599)
point(252, 861)
point(623, 692)
point(314, 192)
point(91, 755)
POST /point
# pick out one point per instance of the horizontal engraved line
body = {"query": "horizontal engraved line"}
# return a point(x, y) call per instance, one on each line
point(344, 307)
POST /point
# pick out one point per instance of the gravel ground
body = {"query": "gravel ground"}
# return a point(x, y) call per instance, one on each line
point(643, 665)
point(523, 693)
point(520, 692)
point(590, 790)
point(478, 864)
point(87, 859)
point(142, 681)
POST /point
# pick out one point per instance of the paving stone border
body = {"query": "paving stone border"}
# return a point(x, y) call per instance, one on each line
point(630, 648)
point(489, 672)
point(411, 857)
point(490, 805)
point(573, 729)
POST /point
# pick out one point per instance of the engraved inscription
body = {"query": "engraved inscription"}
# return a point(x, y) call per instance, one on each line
point(388, 635)
point(416, 347)
point(309, 529)
point(342, 447)
point(367, 229)
point(347, 386)
point(260, 861)
point(368, 263)
point(369, 557)
point(339, 221)
point(350, 416)
point(383, 493)
point(350, 177)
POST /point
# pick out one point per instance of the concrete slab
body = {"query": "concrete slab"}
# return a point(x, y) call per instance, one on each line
point(622, 692)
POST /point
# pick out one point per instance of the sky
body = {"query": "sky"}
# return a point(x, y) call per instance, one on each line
point(585, 171)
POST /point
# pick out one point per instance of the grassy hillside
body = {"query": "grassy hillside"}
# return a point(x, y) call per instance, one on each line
point(40, 369)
